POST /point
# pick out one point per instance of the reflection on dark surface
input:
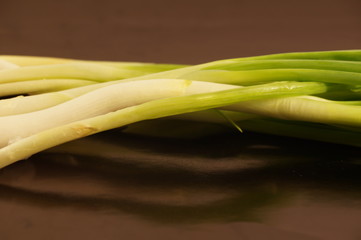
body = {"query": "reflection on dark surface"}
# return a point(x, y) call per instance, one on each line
point(220, 179)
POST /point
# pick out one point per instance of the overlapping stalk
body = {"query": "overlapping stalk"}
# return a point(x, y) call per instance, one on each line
point(313, 95)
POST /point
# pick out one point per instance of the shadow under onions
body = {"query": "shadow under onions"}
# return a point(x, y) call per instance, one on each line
point(215, 178)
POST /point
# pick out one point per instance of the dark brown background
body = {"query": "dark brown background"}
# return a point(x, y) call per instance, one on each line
point(187, 31)
point(279, 188)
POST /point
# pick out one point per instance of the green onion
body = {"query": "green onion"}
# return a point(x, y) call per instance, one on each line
point(344, 55)
point(311, 95)
point(345, 66)
point(34, 138)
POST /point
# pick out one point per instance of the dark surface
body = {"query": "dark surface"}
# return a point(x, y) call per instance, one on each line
point(225, 186)
point(230, 186)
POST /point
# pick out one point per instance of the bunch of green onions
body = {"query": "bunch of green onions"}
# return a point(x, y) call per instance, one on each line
point(49, 101)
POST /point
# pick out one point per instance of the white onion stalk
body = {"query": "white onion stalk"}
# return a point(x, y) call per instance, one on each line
point(7, 65)
point(39, 86)
point(24, 104)
point(101, 101)
point(303, 108)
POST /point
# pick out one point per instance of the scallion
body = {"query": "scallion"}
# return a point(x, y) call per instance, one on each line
point(313, 95)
